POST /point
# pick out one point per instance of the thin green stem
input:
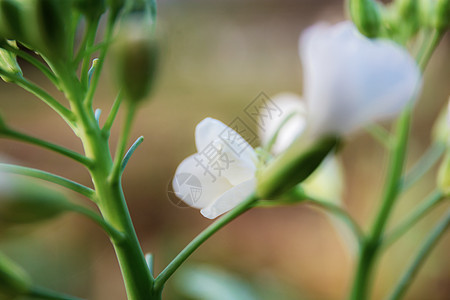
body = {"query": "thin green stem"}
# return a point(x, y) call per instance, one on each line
point(200, 239)
point(408, 277)
point(65, 113)
point(430, 202)
point(342, 214)
point(64, 182)
point(122, 144)
point(89, 41)
point(425, 163)
point(34, 61)
point(380, 134)
point(274, 137)
point(112, 114)
point(112, 232)
point(38, 292)
point(101, 59)
point(13, 134)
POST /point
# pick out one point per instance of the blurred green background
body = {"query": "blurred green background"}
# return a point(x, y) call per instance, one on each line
point(217, 57)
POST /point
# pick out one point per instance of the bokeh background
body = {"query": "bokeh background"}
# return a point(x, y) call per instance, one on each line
point(217, 57)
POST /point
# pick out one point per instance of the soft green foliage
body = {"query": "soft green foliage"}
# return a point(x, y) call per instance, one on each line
point(14, 281)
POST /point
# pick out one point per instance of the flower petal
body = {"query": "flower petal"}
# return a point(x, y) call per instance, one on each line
point(229, 199)
point(196, 186)
point(289, 104)
point(351, 80)
point(225, 151)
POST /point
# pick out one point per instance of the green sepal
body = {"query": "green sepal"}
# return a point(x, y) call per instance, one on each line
point(366, 14)
point(14, 281)
point(293, 167)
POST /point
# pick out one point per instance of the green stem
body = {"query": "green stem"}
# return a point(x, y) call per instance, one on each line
point(89, 41)
point(342, 214)
point(122, 144)
point(112, 115)
point(130, 153)
point(200, 239)
point(380, 134)
point(38, 292)
point(112, 232)
point(64, 182)
point(417, 262)
point(10, 133)
point(371, 245)
point(65, 113)
point(101, 59)
point(425, 163)
point(432, 200)
point(111, 201)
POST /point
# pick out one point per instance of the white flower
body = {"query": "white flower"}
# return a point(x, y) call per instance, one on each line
point(288, 125)
point(222, 172)
point(351, 81)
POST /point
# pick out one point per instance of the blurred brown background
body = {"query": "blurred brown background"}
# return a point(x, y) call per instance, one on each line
point(217, 57)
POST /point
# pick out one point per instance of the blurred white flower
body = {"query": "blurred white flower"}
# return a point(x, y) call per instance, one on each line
point(287, 126)
point(351, 81)
point(222, 172)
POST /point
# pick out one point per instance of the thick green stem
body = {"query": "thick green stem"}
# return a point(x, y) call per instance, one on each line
point(111, 200)
point(372, 243)
point(200, 239)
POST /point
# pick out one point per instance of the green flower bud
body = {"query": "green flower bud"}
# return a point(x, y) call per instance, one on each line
point(116, 6)
point(135, 59)
point(407, 18)
point(14, 281)
point(441, 128)
point(11, 12)
point(443, 180)
point(22, 202)
point(293, 167)
point(92, 9)
point(52, 20)
point(367, 16)
point(8, 62)
point(442, 15)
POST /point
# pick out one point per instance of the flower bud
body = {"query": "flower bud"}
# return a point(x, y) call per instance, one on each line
point(443, 180)
point(8, 62)
point(48, 27)
point(92, 9)
point(135, 59)
point(366, 15)
point(442, 15)
point(441, 128)
point(14, 280)
point(11, 26)
point(295, 165)
point(22, 202)
point(116, 6)
point(407, 17)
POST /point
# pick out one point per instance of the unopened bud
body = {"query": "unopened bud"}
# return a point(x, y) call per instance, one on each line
point(11, 12)
point(135, 59)
point(441, 128)
point(367, 16)
point(8, 62)
point(14, 281)
point(92, 9)
point(442, 15)
point(115, 7)
point(407, 16)
point(294, 166)
point(443, 180)
point(22, 201)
